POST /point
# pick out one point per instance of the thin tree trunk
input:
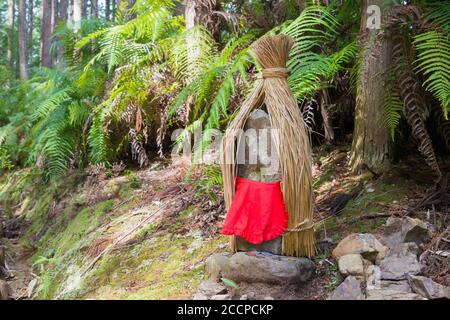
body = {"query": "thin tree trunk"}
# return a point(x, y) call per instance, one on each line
point(54, 14)
point(23, 65)
point(370, 145)
point(63, 10)
point(10, 28)
point(62, 18)
point(108, 10)
point(113, 9)
point(46, 33)
point(77, 13)
point(70, 12)
point(94, 8)
point(30, 30)
point(84, 8)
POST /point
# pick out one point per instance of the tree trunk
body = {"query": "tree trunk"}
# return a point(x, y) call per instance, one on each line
point(23, 65)
point(84, 8)
point(107, 10)
point(54, 14)
point(370, 145)
point(113, 10)
point(63, 10)
point(10, 28)
point(70, 12)
point(62, 18)
point(30, 30)
point(94, 8)
point(46, 33)
point(77, 13)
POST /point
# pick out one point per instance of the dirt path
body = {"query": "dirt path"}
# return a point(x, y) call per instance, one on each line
point(20, 273)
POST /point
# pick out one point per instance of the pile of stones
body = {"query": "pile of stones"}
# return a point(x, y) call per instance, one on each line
point(386, 269)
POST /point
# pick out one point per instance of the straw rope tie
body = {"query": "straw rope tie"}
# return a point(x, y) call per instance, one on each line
point(275, 73)
point(301, 226)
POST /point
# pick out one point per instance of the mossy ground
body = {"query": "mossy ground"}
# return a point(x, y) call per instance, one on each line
point(157, 263)
point(70, 224)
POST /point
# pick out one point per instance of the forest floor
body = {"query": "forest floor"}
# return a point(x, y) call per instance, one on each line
point(146, 234)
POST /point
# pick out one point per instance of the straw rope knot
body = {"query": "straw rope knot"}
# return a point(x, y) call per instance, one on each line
point(275, 73)
point(301, 226)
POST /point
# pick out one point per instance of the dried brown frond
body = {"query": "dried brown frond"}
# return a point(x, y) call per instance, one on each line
point(415, 109)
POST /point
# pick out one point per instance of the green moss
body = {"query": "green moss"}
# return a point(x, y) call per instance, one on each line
point(369, 202)
point(158, 268)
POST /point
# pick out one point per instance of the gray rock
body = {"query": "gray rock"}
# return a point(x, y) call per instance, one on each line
point(428, 288)
point(393, 225)
point(414, 230)
point(244, 297)
point(221, 297)
point(386, 294)
point(268, 298)
point(405, 229)
point(211, 288)
point(401, 285)
point(349, 289)
point(351, 264)
point(253, 267)
point(273, 246)
point(364, 244)
point(403, 249)
point(373, 277)
point(400, 262)
point(200, 296)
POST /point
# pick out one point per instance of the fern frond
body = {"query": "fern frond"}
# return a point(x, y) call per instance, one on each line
point(45, 108)
point(393, 107)
point(438, 13)
point(433, 60)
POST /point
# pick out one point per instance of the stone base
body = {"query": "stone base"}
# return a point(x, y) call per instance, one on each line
point(273, 246)
point(255, 267)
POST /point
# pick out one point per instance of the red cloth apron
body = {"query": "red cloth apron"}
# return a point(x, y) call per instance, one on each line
point(258, 212)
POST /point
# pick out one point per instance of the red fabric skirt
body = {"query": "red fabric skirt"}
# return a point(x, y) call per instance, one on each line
point(258, 212)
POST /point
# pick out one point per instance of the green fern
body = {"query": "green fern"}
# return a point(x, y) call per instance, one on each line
point(393, 107)
point(433, 60)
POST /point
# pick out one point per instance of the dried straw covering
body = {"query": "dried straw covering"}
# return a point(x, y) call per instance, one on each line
point(291, 140)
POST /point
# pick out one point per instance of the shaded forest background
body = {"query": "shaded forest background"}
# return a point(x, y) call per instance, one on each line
point(100, 82)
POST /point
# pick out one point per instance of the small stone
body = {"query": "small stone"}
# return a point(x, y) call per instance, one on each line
point(255, 267)
point(386, 294)
point(244, 297)
point(268, 298)
point(5, 290)
point(401, 285)
point(399, 230)
point(364, 244)
point(400, 262)
point(374, 281)
point(351, 264)
point(428, 288)
point(273, 246)
point(199, 296)
point(221, 297)
point(210, 288)
point(32, 287)
point(349, 289)
point(373, 278)
point(414, 230)
point(393, 225)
